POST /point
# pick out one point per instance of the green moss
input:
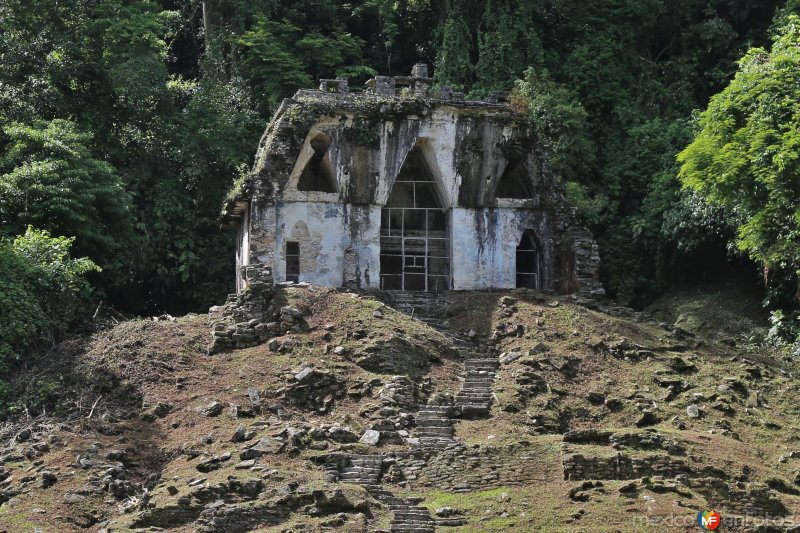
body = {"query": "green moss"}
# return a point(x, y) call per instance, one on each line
point(15, 520)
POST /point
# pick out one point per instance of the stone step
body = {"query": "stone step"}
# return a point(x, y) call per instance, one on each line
point(413, 513)
point(444, 431)
point(428, 415)
point(435, 408)
point(474, 398)
point(434, 429)
point(365, 467)
point(433, 422)
point(359, 475)
point(440, 435)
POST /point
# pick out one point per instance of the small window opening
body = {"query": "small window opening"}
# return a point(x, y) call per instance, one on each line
point(293, 262)
point(514, 182)
point(318, 174)
point(528, 262)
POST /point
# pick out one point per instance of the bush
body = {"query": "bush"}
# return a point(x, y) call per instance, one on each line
point(42, 292)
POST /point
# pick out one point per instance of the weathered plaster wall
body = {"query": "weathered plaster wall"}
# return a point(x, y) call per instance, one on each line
point(242, 249)
point(263, 217)
point(364, 225)
point(484, 243)
point(324, 231)
point(319, 229)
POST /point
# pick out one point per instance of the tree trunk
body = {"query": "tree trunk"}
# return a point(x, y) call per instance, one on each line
point(206, 25)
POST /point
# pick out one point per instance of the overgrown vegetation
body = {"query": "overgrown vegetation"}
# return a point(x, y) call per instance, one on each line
point(746, 158)
point(42, 294)
point(122, 122)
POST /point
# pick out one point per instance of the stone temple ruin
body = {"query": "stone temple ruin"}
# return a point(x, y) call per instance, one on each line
point(403, 188)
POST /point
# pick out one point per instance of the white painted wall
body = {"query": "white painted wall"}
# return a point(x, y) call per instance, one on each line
point(325, 230)
point(484, 246)
point(242, 248)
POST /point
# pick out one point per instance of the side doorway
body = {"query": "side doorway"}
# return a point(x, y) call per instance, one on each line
point(528, 261)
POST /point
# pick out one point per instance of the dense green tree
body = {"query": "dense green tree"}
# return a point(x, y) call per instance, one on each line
point(507, 44)
point(453, 61)
point(558, 119)
point(50, 179)
point(746, 153)
point(42, 291)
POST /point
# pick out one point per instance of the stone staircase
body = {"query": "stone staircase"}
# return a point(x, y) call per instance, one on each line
point(435, 428)
point(475, 397)
point(423, 305)
point(408, 517)
point(365, 470)
point(435, 432)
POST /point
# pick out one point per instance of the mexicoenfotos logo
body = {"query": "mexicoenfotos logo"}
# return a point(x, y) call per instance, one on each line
point(708, 520)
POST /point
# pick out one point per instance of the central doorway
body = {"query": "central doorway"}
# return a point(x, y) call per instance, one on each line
point(415, 249)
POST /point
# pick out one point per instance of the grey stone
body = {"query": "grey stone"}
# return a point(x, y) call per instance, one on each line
point(263, 446)
point(370, 437)
point(692, 411)
point(342, 434)
point(115, 455)
point(648, 418)
point(304, 373)
point(242, 434)
point(540, 348)
point(71, 499)
point(509, 357)
point(212, 409)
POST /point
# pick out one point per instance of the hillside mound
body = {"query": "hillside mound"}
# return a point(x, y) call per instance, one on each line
point(505, 409)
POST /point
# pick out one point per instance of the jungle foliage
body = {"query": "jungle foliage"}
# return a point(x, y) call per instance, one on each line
point(123, 122)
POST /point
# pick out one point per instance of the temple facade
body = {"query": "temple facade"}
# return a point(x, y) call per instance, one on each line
point(401, 188)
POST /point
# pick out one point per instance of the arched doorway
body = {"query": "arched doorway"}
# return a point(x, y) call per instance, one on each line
point(415, 250)
point(528, 271)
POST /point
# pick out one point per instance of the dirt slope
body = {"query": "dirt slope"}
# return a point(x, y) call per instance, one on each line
point(593, 423)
